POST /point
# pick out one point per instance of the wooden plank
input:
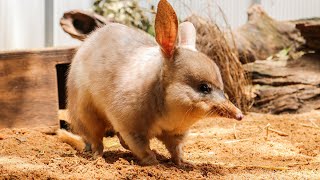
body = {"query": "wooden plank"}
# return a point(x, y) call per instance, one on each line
point(28, 87)
point(63, 115)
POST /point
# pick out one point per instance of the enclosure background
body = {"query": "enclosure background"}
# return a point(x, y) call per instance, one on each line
point(35, 23)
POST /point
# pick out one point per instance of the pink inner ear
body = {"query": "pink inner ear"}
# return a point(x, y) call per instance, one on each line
point(167, 37)
point(187, 34)
point(168, 48)
point(183, 40)
point(166, 27)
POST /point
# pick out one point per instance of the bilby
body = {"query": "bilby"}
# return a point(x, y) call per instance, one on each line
point(122, 79)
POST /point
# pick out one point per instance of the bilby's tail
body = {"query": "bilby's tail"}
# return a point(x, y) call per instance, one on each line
point(74, 140)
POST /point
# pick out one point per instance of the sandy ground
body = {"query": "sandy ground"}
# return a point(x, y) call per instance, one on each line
point(216, 148)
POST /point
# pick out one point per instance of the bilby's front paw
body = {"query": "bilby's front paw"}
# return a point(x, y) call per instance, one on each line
point(97, 155)
point(179, 161)
point(149, 160)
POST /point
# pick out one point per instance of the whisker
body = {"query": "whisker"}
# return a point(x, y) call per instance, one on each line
point(226, 112)
point(211, 112)
point(185, 116)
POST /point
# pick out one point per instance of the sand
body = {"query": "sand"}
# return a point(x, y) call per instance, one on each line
point(215, 148)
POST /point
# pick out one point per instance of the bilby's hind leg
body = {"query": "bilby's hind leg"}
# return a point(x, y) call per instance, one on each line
point(89, 124)
point(92, 131)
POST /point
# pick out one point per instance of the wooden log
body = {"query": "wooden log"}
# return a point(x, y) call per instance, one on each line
point(28, 87)
point(310, 30)
point(263, 36)
point(286, 86)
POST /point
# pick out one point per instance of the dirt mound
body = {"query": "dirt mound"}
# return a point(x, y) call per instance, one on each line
point(216, 148)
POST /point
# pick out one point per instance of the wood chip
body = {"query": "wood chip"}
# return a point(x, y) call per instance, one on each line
point(310, 126)
point(313, 123)
point(21, 139)
point(267, 132)
point(278, 132)
point(265, 167)
point(235, 131)
point(268, 128)
point(303, 164)
point(237, 140)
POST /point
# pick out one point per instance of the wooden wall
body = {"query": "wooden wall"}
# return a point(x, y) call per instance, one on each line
point(28, 87)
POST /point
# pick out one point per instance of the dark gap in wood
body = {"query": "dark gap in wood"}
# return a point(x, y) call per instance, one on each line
point(276, 84)
point(258, 75)
point(62, 71)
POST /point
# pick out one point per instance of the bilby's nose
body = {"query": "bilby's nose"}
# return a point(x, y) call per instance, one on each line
point(239, 116)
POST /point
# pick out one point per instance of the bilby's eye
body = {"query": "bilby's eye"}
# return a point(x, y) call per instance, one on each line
point(205, 88)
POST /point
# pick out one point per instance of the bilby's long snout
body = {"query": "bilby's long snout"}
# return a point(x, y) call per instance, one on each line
point(228, 110)
point(233, 111)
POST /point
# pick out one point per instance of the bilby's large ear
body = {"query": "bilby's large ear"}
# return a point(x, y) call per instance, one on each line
point(166, 27)
point(187, 35)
